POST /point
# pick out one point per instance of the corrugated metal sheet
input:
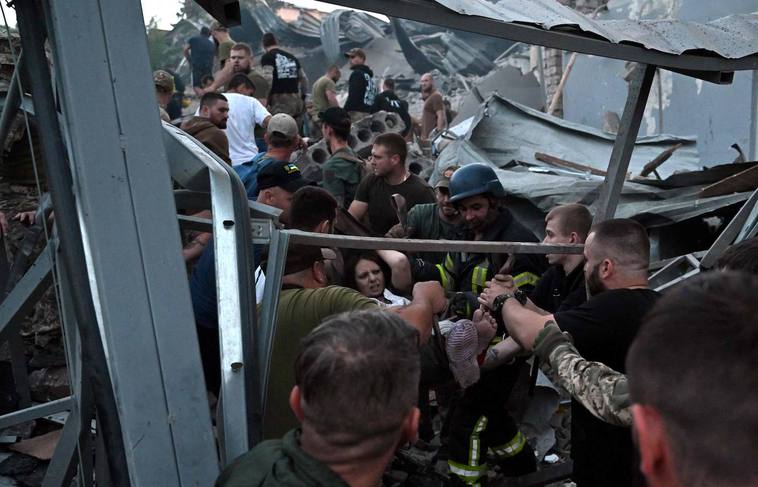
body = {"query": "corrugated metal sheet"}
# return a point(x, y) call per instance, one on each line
point(651, 206)
point(731, 37)
point(347, 25)
point(506, 135)
point(507, 131)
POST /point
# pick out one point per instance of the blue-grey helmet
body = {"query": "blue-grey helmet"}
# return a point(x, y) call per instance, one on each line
point(474, 179)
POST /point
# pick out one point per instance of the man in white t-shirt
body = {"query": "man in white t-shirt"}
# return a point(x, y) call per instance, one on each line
point(244, 113)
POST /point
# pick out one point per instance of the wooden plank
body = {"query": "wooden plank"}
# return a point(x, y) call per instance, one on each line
point(660, 159)
point(746, 180)
point(557, 161)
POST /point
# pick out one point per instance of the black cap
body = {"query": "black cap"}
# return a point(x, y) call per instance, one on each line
point(335, 117)
point(301, 257)
point(285, 175)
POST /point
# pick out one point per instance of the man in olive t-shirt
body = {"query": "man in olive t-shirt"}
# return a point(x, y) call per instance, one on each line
point(433, 115)
point(324, 97)
point(325, 90)
point(373, 196)
point(305, 301)
point(225, 43)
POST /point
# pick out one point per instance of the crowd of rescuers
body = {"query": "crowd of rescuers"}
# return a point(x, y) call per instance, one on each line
point(655, 397)
point(278, 82)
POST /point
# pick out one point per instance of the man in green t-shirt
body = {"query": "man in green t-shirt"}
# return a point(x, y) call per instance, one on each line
point(305, 301)
point(225, 43)
point(324, 96)
point(343, 171)
point(433, 221)
point(325, 90)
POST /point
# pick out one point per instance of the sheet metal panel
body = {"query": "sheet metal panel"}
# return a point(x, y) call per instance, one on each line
point(731, 37)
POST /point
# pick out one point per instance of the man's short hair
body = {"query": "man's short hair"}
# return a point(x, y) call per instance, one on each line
point(205, 31)
point(211, 98)
point(389, 84)
point(572, 217)
point(242, 46)
point(268, 40)
point(741, 257)
point(240, 79)
point(218, 27)
point(310, 206)
point(694, 360)
point(394, 143)
point(358, 374)
point(624, 241)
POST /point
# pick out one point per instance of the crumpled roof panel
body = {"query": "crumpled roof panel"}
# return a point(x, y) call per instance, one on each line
point(731, 37)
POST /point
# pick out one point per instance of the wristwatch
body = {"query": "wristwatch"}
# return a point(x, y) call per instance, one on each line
point(497, 304)
point(497, 310)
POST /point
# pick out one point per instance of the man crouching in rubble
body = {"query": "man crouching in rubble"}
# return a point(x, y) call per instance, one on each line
point(356, 387)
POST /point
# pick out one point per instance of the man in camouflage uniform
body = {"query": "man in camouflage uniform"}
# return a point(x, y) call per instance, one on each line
point(164, 89)
point(344, 170)
point(599, 388)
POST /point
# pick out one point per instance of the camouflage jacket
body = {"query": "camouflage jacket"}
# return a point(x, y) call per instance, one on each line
point(600, 389)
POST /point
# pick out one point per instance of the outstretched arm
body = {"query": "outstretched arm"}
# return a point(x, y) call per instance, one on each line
point(428, 300)
point(599, 388)
point(401, 269)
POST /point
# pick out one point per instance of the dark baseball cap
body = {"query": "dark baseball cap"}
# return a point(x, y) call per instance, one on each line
point(335, 117)
point(285, 175)
point(444, 180)
point(301, 257)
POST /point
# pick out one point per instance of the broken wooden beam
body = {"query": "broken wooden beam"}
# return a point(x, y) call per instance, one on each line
point(746, 180)
point(660, 159)
point(557, 161)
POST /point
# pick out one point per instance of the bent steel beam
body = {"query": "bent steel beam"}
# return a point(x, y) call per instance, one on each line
point(125, 211)
point(639, 89)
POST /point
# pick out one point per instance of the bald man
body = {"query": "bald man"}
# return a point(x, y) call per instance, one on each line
point(433, 116)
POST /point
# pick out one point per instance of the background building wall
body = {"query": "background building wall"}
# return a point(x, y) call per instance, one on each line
point(718, 115)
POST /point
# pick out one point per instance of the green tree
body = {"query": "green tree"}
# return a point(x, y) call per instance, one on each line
point(161, 53)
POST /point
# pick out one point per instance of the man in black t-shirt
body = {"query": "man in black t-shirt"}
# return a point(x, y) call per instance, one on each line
point(388, 101)
point(199, 51)
point(561, 287)
point(617, 254)
point(361, 91)
point(391, 176)
point(287, 79)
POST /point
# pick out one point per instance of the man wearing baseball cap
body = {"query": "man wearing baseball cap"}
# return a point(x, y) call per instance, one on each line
point(305, 301)
point(278, 181)
point(282, 139)
point(361, 86)
point(344, 170)
point(164, 89)
point(434, 221)
point(225, 43)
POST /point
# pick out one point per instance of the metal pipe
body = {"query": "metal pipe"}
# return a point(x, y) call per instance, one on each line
point(60, 180)
point(402, 244)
